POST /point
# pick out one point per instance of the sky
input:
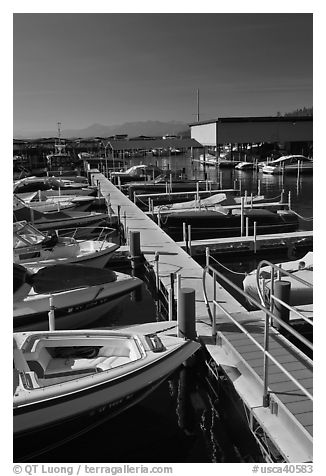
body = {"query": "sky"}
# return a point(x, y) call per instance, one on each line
point(112, 68)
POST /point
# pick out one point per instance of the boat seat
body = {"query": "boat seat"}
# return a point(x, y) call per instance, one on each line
point(62, 367)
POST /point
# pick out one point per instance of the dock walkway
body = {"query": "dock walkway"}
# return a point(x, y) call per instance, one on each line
point(287, 422)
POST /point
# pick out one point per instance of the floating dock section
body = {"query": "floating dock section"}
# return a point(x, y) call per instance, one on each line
point(283, 428)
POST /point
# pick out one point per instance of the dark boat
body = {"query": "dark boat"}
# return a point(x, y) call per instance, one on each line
point(214, 224)
point(163, 184)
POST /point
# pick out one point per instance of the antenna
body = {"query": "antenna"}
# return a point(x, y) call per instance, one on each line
point(197, 105)
point(59, 131)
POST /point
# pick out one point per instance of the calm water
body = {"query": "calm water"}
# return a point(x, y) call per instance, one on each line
point(184, 419)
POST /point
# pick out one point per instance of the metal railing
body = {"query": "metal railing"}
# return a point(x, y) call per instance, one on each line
point(267, 356)
point(92, 233)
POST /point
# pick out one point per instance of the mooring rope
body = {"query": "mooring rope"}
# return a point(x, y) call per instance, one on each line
point(227, 269)
point(301, 217)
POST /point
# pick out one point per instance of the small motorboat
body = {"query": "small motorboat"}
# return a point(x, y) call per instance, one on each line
point(54, 186)
point(60, 376)
point(135, 173)
point(208, 159)
point(223, 222)
point(300, 293)
point(42, 202)
point(214, 201)
point(289, 164)
point(245, 166)
point(46, 221)
point(80, 294)
point(34, 249)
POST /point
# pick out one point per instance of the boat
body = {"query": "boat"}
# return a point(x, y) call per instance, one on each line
point(208, 159)
point(53, 186)
point(81, 295)
point(300, 294)
point(163, 184)
point(61, 161)
point(34, 249)
point(223, 222)
point(135, 173)
point(289, 164)
point(46, 221)
point(245, 166)
point(60, 376)
point(42, 202)
point(214, 201)
point(227, 163)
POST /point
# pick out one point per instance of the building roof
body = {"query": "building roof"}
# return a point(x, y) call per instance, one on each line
point(255, 119)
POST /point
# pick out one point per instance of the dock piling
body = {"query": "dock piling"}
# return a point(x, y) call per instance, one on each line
point(282, 291)
point(186, 313)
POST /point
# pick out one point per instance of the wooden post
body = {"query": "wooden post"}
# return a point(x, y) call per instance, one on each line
point(289, 200)
point(258, 187)
point(247, 227)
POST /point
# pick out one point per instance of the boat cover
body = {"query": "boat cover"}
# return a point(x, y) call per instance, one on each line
point(300, 294)
point(63, 277)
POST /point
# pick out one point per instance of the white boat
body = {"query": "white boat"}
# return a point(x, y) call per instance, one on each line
point(34, 249)
point(300, 294)
point(208, 159)
point(61, 375)
point(245, 166)
point(55, 220)
point(289, 164)
point(216, 201)
point(81, 295)
point(42, 202)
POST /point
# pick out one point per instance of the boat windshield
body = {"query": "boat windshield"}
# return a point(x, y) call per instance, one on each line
point(27, 235)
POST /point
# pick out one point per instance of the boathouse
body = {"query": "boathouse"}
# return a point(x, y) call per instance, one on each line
point(253, 130)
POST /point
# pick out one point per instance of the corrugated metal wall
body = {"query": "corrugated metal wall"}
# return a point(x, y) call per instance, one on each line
point(242, 132)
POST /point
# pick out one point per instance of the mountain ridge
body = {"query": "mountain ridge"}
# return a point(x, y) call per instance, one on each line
point(148, 128)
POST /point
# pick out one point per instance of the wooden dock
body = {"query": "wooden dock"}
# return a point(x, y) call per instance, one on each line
point(249, 243)
point(287, 421)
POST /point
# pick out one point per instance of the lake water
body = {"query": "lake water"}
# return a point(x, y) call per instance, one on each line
point(186, 419)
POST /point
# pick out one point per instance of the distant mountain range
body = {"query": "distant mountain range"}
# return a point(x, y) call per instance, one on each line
point(133, 129)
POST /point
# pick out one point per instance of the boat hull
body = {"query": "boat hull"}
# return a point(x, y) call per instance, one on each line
point(110, 391)
point(75, 309)
point(210, 224)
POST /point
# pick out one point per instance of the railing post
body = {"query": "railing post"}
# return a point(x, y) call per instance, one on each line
point(242, 216)
point(170, 300)
point(157, 257)
point(266, 397)
point(189, 239)
point(51, 314)
point(255, 237)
